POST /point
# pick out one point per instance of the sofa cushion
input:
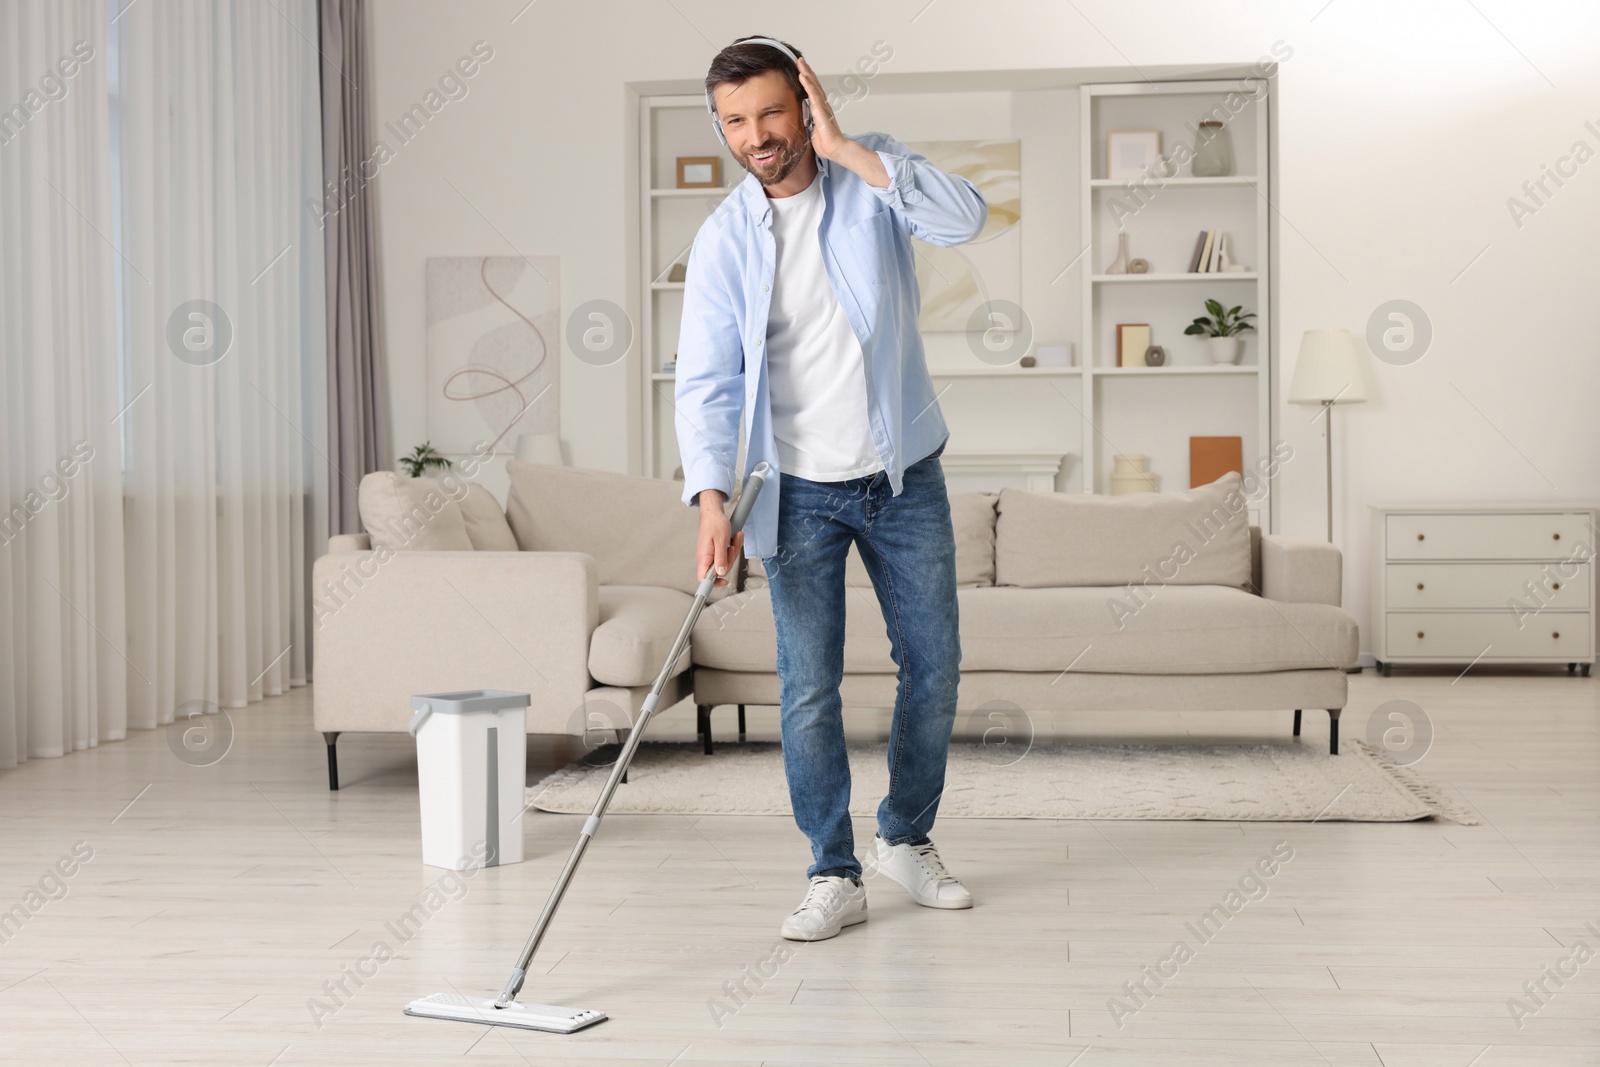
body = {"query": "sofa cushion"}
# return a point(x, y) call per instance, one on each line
point(972, 516)
point(738, 633)
point(414, 514)
point(487, 527)
point(1197, 537)
point(638, 624)
point(1171, 630)
point(637, 529)
point(972, 513)
point(1175, 629)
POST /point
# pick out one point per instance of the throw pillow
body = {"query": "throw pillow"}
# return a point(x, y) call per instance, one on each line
point(638, 530)
point(415, 514)
point(1197, 537)
point(486, 523)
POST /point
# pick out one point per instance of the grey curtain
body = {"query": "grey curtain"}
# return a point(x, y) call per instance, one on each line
point(358, 414)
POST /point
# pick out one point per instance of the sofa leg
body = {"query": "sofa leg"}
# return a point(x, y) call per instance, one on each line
point(332, 738)
point(1297, 722)
point(703, 713)
point(741, 722)
point(1333, 731)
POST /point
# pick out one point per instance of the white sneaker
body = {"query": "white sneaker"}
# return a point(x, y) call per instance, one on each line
point(832, 903)
point(921, 871)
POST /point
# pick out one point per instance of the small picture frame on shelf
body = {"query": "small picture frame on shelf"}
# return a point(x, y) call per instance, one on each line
point(699, 172)
point(1133, 339)
point(1132, 153)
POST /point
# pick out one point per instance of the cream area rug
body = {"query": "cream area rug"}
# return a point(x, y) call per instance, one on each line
point(1282, 783)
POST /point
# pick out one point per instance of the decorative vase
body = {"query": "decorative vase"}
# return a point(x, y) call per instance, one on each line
point(1213, 151)
point(1120, 266)
point(1129, 475)
point(1226, 349)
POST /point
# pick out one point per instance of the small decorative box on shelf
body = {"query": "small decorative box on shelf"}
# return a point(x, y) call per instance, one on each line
point(1483, 585)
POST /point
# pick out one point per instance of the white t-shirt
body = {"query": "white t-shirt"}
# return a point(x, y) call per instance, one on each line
point(816, 372)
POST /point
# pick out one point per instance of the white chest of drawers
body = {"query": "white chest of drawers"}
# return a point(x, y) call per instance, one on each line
point(1481, 584)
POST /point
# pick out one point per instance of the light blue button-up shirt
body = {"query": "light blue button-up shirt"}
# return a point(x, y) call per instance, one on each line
point(866, 247)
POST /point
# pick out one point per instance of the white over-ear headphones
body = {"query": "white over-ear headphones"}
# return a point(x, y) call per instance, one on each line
point(805, 104)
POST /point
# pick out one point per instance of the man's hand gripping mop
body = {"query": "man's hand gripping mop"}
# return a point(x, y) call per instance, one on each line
point(506, 1010)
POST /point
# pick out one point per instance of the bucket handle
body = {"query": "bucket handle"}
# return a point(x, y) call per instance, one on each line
point(416, 720)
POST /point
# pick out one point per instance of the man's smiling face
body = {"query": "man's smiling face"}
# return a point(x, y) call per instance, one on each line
point(761, 119)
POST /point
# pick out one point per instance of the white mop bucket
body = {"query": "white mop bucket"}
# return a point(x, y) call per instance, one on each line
point(471, 767)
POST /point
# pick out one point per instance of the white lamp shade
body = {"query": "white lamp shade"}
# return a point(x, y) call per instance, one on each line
point(540, 448)
point(1329, 369)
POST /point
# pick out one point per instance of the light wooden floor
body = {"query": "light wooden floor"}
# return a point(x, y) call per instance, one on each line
point(220, 900)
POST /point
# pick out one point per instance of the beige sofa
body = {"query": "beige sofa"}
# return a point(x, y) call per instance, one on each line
point(1073, 602)
point(574, 594)
point(1067, 602)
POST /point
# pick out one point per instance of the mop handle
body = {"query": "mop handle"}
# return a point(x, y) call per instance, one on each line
point(747, 501)
point(741, 512)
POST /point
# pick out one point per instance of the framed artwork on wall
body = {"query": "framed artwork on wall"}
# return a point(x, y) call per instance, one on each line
point(1132, 153)
point(958, 281)
point(494, 350)
point(699, 172)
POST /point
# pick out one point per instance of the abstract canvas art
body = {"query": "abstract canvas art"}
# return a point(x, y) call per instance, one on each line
point(494, 350)
point(957, 281)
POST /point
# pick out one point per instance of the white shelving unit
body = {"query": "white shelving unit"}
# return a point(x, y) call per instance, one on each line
point(1129, 410)
point(1113, 408)
point(669, 126)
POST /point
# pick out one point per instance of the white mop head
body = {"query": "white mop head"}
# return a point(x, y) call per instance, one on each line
point(462, 1009)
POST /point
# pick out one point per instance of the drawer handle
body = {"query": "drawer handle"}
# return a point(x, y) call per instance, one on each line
point(1557, 633)
point(1419, 537)
point(1419, 633)
point(1556, 536)
point(1419, 585)
point(1555, 585)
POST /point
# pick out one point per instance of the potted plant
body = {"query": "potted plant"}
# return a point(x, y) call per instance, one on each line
point(423, 458)
point(1225, 329)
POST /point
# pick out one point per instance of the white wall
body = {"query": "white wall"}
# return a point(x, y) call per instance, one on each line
point(1404, 129)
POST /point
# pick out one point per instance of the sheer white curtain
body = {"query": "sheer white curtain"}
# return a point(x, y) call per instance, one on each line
point(194, 589)
point(64, 681)
point(220, 126)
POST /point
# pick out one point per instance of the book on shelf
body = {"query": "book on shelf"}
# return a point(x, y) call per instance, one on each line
point(1202, 252)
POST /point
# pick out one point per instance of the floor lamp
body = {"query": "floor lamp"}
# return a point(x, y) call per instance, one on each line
point(1328, 372)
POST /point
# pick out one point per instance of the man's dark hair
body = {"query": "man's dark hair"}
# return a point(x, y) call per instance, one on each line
point(739, 62)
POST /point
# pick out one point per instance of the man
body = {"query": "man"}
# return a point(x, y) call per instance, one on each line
point(800, 311)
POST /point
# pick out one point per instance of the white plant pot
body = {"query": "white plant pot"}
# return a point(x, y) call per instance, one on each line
point(1226, 349)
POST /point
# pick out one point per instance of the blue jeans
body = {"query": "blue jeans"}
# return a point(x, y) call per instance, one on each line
point(908, 546)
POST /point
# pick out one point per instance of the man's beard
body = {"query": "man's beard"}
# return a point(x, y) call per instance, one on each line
point(788, 158)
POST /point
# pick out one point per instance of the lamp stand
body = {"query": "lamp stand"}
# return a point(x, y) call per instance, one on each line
point(1327, 430)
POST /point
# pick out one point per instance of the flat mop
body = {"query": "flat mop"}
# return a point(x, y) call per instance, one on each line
point(506, 1010)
